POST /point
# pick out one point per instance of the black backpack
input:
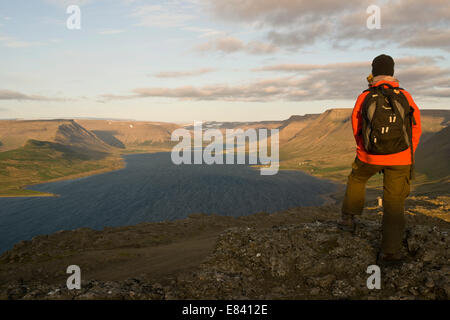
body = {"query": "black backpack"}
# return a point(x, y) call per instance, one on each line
point(387, 121)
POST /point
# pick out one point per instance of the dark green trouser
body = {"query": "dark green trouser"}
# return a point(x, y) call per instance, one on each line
point(396, 186)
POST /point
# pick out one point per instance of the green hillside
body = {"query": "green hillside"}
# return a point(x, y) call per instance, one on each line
point(42, 161)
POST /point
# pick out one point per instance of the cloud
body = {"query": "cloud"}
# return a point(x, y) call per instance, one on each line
point(228, 44)
point(430, 39)
point(257, 47)
point(249, 92)
point(293, 24)
point(278, 12)
point(224, 44)
point(299, 38)
point(14, 95)
point(344, 66)
point(340, 81)
point(204, 32)
point(180, 74)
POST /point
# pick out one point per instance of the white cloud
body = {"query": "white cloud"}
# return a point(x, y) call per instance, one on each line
point(180, 74)
point(230, 44)
point(15, 95)
point(294, 24)
point(204, 32)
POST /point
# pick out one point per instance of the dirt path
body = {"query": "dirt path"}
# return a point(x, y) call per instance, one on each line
point(155, 262)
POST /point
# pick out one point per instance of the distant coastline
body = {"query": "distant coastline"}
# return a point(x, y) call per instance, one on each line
point(118, 163)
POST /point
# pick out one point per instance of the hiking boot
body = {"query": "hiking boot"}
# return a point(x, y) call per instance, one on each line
point(347, 222)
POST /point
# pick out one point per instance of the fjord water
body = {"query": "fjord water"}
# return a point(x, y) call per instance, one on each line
point(150, 188)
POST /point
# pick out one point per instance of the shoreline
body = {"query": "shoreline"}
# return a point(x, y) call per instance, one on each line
point(44, 195)
point(119, 164)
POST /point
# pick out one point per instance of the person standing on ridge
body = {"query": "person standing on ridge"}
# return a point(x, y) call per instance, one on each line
point(386, 127)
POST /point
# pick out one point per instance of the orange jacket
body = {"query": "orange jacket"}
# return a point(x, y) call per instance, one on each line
point(400, 158)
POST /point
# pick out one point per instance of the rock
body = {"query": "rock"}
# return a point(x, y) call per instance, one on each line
point(429, 283)
point(414, 291)
point(314, 291)
point(428, 256)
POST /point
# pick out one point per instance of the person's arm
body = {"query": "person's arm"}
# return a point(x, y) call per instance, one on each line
point(416, 127)
point(357, 119)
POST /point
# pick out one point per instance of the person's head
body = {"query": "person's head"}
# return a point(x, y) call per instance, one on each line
point(383, 65)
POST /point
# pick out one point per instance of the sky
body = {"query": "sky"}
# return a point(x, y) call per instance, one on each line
point(223, 60)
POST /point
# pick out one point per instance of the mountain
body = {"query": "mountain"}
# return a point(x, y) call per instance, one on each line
point(15, 134)
point(432, 158)
point(293, 125)
point(123, 134)
point(238, 125)
point(44, 150)
point(321, 137)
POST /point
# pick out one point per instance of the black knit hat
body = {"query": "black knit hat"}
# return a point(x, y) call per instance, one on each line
point(383, 65)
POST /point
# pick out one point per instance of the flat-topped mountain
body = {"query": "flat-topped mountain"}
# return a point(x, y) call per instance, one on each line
point(15, 133)
point(120, 134)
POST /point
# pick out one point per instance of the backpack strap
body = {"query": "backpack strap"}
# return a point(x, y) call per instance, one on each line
point(412, 121)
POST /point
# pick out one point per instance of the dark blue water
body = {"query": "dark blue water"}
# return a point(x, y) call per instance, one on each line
point(151, 188)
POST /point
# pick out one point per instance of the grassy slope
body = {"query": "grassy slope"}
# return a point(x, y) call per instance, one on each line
point(39, 161)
